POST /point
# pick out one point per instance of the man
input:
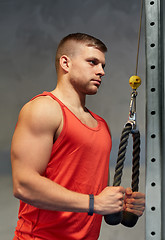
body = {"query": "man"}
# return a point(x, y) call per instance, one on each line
point(60, 153)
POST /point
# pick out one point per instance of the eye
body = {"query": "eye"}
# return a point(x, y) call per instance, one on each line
point(93, 62)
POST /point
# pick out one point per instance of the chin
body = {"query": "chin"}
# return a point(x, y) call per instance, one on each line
point(92, 92)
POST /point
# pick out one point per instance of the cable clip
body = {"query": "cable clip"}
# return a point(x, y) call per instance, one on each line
point(132, 109)
point(135, 82)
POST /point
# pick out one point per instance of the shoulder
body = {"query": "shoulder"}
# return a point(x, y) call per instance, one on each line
point(41, 113)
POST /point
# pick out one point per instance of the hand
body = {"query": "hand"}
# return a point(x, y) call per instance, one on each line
point(109, 201)
point(134, 202)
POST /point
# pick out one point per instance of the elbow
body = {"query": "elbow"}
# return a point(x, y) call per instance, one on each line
point(22, 190)
point(21, 193)
point(18, 191)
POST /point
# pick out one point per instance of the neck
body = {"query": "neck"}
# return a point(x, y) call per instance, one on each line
point(69, 96)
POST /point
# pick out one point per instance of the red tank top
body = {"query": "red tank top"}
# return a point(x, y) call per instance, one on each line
point(79, 161)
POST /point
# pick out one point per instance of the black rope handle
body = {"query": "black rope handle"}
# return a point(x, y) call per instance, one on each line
point(129, 219)
point(126, 218)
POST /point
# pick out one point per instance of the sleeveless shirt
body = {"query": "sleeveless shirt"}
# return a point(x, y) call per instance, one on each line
point(79, 161)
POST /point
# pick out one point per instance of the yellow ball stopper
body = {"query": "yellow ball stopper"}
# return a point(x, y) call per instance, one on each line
point(135, 82)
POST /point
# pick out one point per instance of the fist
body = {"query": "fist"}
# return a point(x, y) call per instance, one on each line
point(110, 200)
point(134, 202)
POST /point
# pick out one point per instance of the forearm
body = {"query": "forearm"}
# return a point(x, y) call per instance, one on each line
point(46, 194)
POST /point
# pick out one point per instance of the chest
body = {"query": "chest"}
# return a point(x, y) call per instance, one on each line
point(87, 119)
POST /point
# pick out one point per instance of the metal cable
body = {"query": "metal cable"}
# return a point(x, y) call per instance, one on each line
point(139, 35)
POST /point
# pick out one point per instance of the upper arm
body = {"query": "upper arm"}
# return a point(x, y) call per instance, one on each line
point(33, 137)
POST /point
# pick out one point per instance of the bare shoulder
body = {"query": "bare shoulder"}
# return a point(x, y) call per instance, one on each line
point(42, 113)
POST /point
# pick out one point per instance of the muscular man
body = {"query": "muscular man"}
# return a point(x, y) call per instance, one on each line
point(60, 153)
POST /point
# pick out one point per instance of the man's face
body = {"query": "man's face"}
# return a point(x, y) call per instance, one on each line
point(87, 69)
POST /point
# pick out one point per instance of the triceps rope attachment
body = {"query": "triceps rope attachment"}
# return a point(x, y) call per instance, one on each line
point(126, 218)
point(130, 127)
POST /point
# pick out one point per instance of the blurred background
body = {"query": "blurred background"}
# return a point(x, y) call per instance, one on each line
point(30, 33)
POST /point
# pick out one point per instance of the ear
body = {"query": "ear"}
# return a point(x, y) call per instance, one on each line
point(64, 62)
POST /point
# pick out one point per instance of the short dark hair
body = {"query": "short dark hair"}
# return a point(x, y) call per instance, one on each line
point(81, 38)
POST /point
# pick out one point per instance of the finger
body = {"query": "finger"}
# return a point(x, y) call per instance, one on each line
point(128, 191)
point(121, 189)
point(134, 201)
point(138, 195)
point(134, 211)
point(133, 206)
point(120, 196)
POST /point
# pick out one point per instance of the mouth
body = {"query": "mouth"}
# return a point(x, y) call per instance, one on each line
point(96, 82)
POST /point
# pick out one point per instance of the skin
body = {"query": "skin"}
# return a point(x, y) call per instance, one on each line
point(40, 122)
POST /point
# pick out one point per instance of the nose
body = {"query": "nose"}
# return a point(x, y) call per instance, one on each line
point(101, 70)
